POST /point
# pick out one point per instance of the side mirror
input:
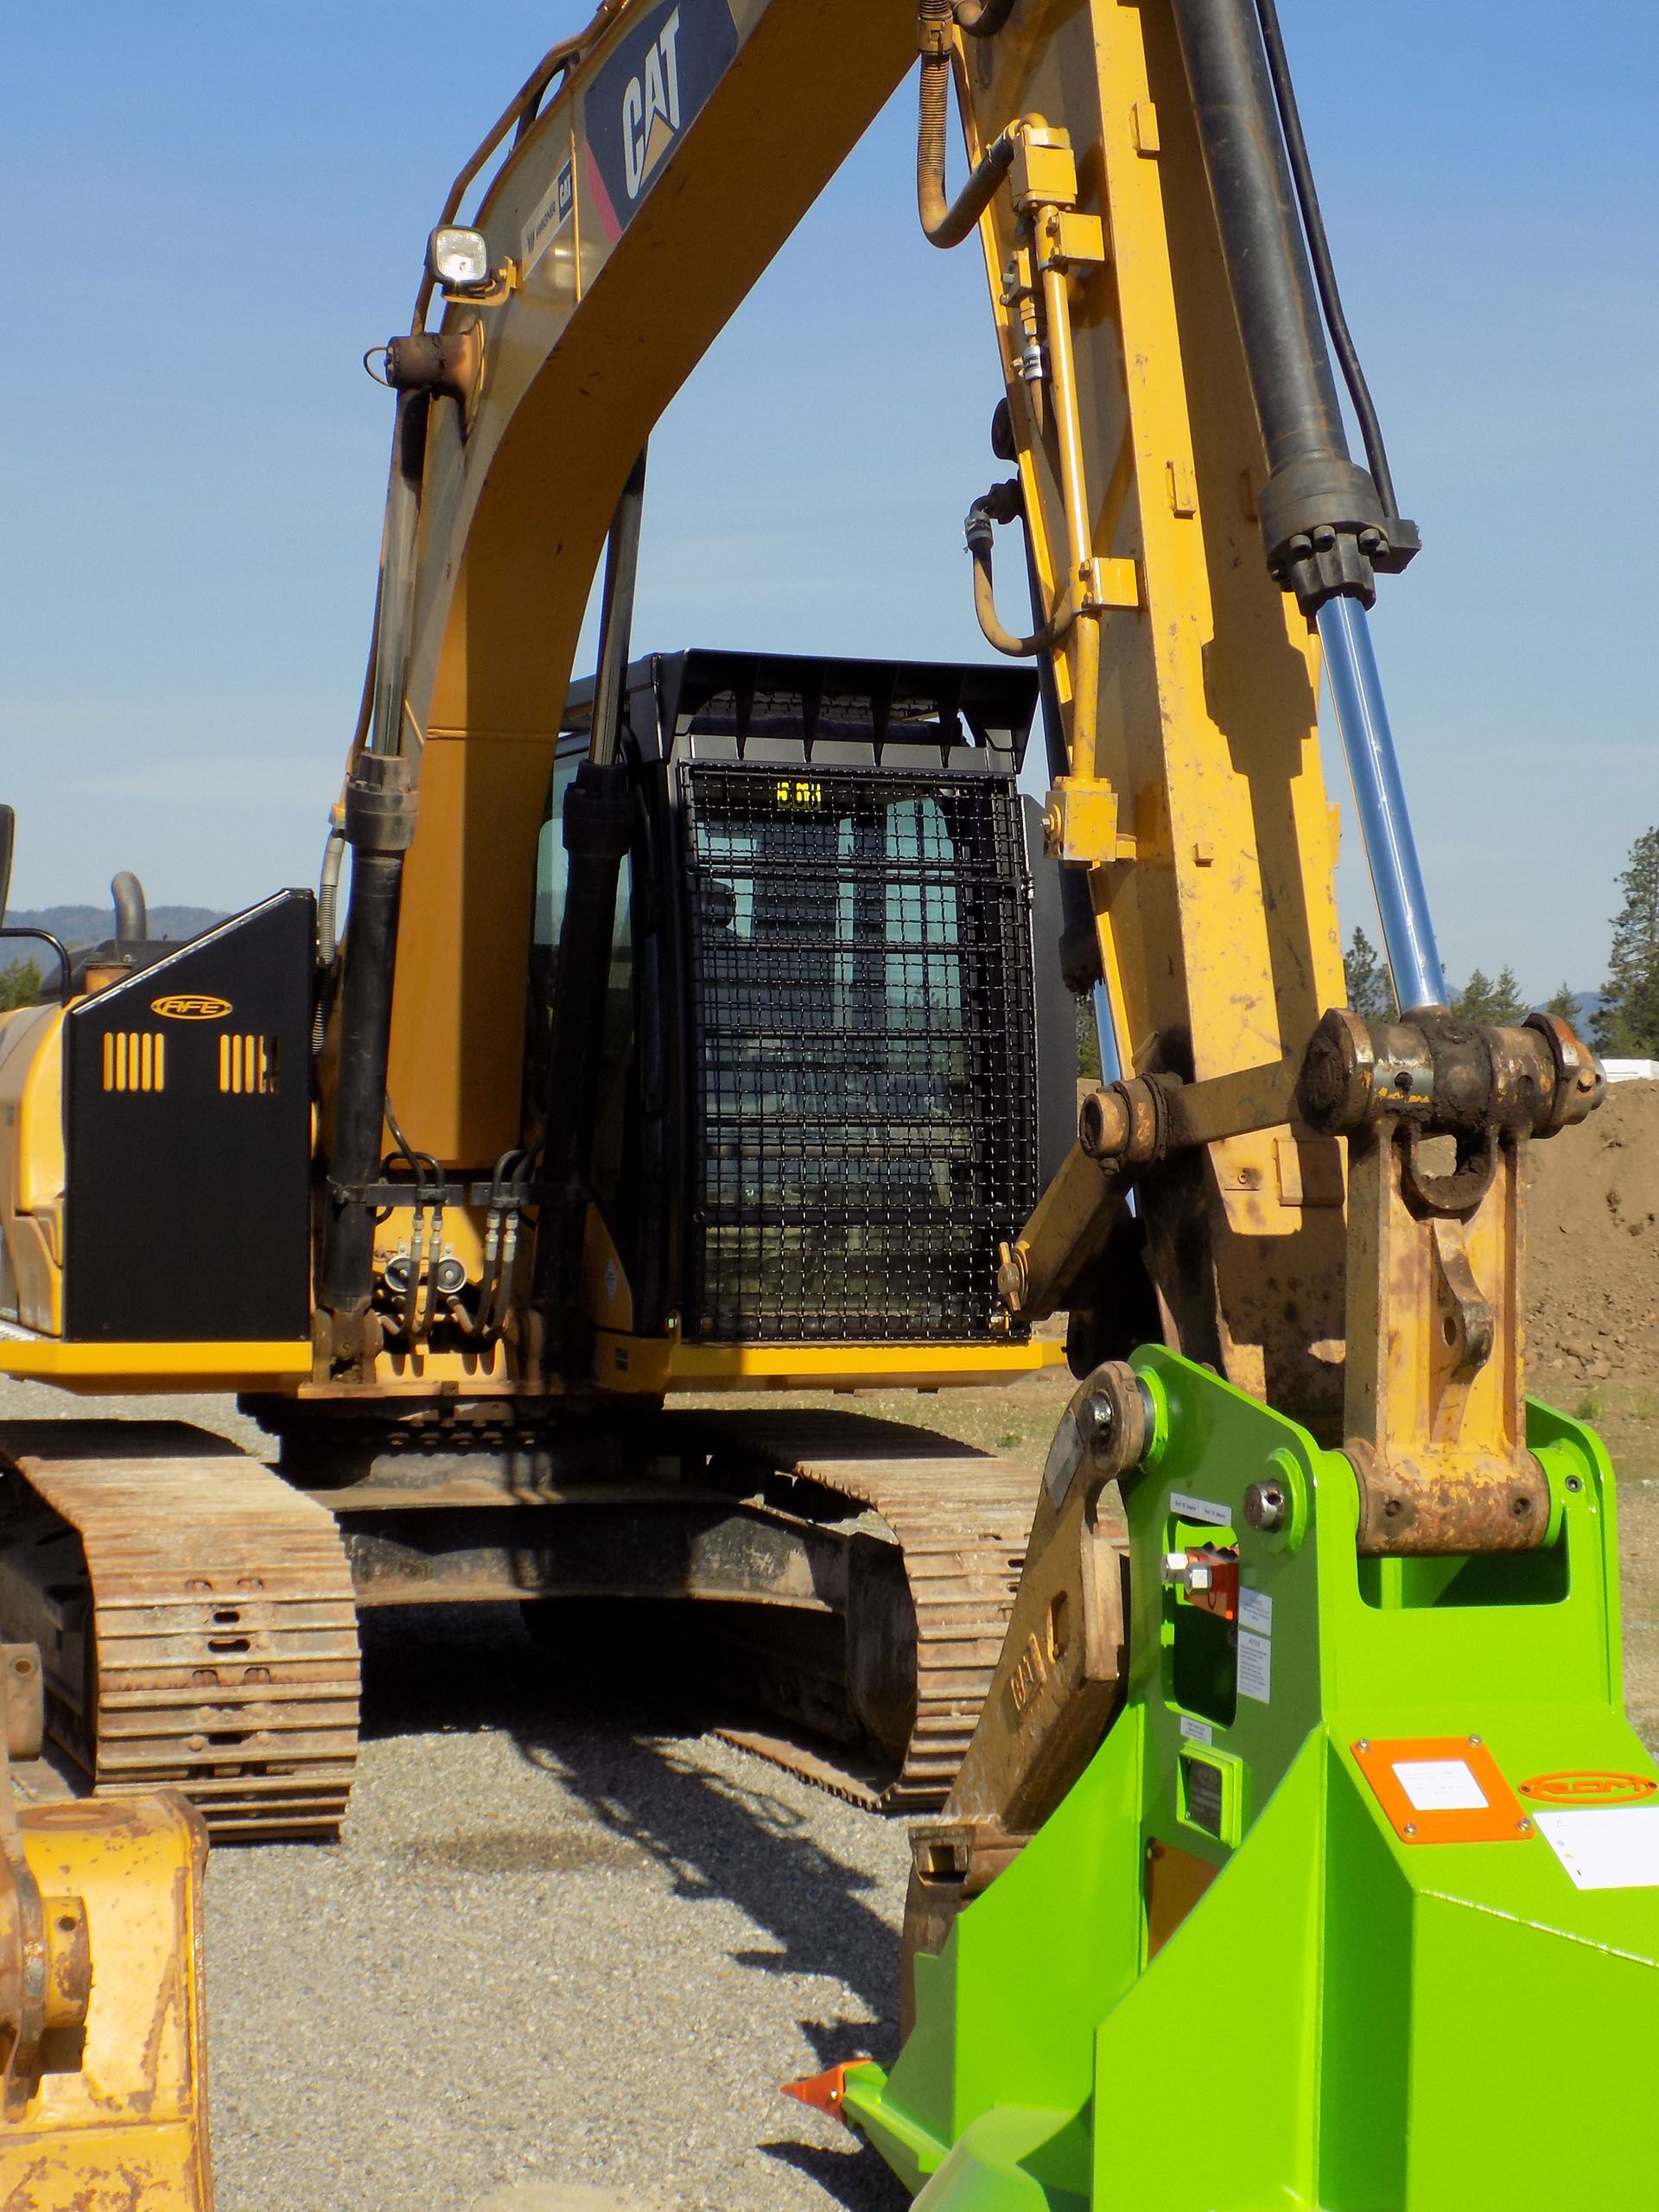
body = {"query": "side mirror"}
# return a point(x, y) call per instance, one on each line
point(7, 839)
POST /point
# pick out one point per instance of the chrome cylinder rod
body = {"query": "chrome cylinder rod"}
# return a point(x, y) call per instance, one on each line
point(1363, 717)
point(1111, 1060)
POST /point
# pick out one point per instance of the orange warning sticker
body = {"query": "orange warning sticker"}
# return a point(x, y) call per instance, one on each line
point(1442, 1789)
point(1590, 1786)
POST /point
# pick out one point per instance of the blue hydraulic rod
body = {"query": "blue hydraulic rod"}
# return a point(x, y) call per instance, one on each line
point(1363, 717)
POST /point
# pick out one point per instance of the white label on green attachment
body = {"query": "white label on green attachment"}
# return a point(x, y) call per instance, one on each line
point(1612, 1847)
point(1199, 1509)
point(1439, 1786)
point(1255, 1611)
point(1254, 1668)
point(1197, 1731)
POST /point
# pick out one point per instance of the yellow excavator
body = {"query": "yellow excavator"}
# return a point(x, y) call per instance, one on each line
point(689, 1032)
point(101, 2096)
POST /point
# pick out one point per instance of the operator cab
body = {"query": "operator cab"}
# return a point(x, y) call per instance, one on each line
point(835, 1079)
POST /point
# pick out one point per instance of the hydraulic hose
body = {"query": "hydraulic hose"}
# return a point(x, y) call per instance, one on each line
point(334, 856)
point(947, 223)
point(1319, 249)
point(597, 830)
point(1322, 516)
point(1001, 640)
point(380, 826)
point(1002, 504)
point(983, 18)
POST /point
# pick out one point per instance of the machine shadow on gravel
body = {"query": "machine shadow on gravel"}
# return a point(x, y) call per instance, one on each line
point(632, 1763)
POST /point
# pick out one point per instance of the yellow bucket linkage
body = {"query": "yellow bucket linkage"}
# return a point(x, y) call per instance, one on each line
point(102, 2105)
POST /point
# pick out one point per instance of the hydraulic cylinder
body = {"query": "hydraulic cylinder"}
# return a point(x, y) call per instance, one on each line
point(1379, 796)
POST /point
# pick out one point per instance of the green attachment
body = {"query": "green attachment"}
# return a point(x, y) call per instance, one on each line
point(1355, 1909)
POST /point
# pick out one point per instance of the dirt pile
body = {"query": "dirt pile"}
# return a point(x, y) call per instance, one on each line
point(1593, 1241)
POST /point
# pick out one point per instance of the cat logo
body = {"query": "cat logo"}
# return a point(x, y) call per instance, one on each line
point(650, 106)
point(191, 1006)
point(641, 102)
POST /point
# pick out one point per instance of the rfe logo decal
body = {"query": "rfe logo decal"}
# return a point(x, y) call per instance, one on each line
point(650, 88)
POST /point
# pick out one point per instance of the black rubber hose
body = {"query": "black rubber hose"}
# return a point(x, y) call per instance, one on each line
point(348, 1271)
point(983, 18)
point(1080, 946)
point(597, 827)
point(1318, 247)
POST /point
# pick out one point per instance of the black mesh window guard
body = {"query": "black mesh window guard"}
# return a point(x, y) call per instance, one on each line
point(862, 1000)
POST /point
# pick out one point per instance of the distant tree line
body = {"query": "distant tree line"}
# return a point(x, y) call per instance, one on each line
point(1624, 1026)
point(1483, 998)
point(20, 984)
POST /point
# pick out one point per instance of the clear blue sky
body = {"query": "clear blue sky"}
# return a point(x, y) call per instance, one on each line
point(214, 209)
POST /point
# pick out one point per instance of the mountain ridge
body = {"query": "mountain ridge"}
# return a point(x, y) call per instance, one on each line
point(81, 925)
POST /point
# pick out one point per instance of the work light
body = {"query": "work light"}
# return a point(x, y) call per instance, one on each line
point(459, 260)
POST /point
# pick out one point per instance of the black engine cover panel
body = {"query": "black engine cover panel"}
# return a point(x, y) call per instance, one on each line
point(187, 1137)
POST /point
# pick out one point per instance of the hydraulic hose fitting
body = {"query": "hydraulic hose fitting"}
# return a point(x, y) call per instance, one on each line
point(933, 21)
point(1325, 533)
point(1324, 521)
point(947, 223)
point(1004, 502)
point(381, 803)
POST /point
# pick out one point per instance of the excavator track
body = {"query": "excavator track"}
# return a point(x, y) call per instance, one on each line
point(961, 1519)
point(196, 1617)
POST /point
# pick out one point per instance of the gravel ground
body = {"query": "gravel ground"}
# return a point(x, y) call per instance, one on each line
point(565, 1952)
point(556, 1945)
point(560, 1960)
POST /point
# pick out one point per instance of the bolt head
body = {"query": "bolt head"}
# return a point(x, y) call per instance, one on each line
point(1266, 1506)
point(1410, 1828)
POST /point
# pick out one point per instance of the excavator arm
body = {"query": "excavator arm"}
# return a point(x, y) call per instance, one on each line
point(1191, 813)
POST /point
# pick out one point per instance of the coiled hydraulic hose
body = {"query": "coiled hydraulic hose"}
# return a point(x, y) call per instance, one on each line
point(947, 223)
point(333, 857)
